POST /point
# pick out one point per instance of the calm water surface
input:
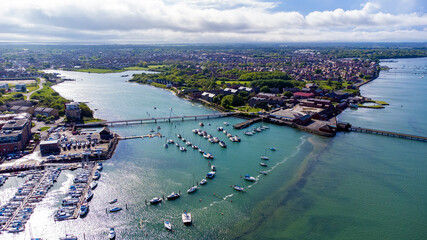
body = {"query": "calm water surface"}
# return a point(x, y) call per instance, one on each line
point(354, 186)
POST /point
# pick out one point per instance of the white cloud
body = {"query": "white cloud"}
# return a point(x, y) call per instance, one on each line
point(154, 21)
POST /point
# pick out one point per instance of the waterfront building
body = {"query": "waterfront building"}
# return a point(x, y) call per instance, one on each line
point(72, 111)
point(50, 146)
point(15, 133)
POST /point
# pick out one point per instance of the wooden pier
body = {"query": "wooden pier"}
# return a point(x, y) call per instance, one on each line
point(158, 119)
point(247, 123)
point(143, 136)
point(24, 203)
point(390, 134)
point(84, 193)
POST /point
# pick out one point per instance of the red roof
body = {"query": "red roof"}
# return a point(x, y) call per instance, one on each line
point(303, 94)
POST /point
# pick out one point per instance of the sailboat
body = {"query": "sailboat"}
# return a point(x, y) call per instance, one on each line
point(193, 188)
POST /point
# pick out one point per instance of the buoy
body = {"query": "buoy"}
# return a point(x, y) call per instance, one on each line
point(200, 199)
point(222, 213)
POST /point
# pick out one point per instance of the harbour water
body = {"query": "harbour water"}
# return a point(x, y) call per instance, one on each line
point(353, 186)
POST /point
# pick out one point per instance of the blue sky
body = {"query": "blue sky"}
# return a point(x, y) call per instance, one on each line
point(212, 21)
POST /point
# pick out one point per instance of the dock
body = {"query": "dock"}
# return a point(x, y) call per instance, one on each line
point(389, 134)
point(247, 123)
point(85, 191)
point(25, 202)
point(143, 136)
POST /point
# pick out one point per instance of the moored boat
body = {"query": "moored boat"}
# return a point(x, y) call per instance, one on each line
point(183, 149)
point(263, 172)
point(203, 181)
point(213, 168)
point(192, 189)
point(186, 218)
point(238, 188)
point(168, 225)
point(155, 201)
point(264, 158)
point(84, 209)
point(208, 155)
point(249, 178)
point(112, 234)
point(210, 175)
point(222, 144)
point(113, 201)
point(89, 196)
point(263, 164)
point(115, 209)
point(173, 196)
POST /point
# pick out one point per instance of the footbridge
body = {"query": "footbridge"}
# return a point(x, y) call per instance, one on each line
point(158, 119)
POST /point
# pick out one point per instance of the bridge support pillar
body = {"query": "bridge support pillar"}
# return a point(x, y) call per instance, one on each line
point(155, 120)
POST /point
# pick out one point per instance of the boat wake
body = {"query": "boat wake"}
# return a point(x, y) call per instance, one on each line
point(298, 148)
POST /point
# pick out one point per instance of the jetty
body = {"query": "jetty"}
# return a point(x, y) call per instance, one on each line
point(387, 133)
point(143, 136)
point(247, 123)
point(158, 119)
point(26, 201)
point(85, 191)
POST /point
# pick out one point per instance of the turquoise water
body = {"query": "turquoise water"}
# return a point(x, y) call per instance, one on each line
point(354, 186)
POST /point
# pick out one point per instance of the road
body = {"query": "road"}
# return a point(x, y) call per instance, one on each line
point(27, 95)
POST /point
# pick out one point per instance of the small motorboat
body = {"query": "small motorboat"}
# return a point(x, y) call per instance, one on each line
point(178, 135)
point(173, 196)
point(216, 139)
point(188, 143)
point(213, 168)
point(238, 188)
point(183, 149)
point(263, 172)
point(272, 148)
point(203, 182)
point(192, 189)
point(220, 128)
point(222, 144)
point(171, 141)
point(89, 196)
point(155, 201)
point(177, 144)
point(208, 155)
point(68, 237)
point(100, 167)
point(201, 124)
point(186, 218)
point(96, 175)
point(248, 133)
point(195, 147)
point(168, 225)
point(263, 164)
point(226, 123)
point(201, 151)
point(93, 185)
point(166, 145)
point(84, 209)
point(158, 127)
point(112, 234)
point(113, 201)
point(210, 175)
point(115, 209)
point(249, 178)
point(152, 130)
point(264, 158)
